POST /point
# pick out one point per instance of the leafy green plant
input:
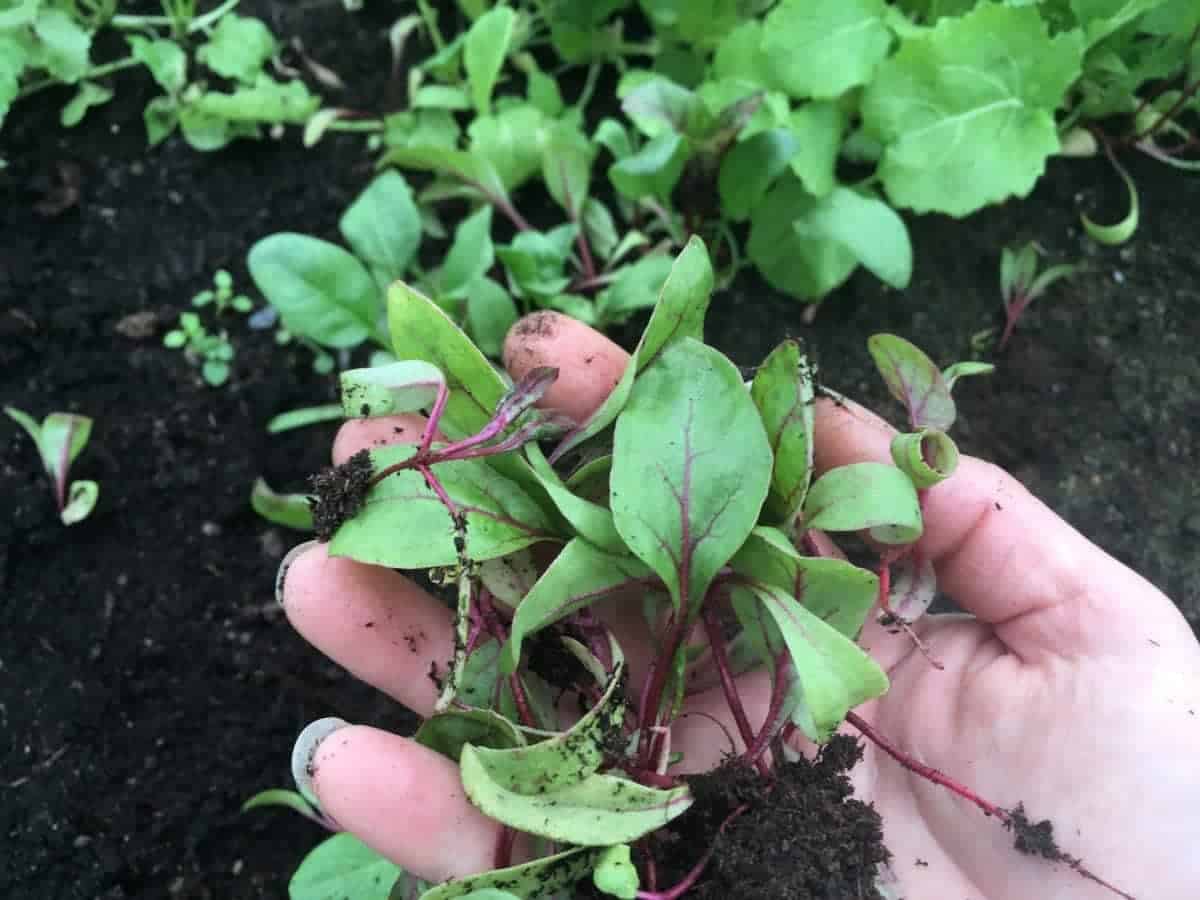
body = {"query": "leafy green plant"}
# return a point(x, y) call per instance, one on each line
point(60, 438)
point(1021, 283)
point(689, 489)
point(221, 295)
point(789, 135)
point(213, 353)
point(44, 43)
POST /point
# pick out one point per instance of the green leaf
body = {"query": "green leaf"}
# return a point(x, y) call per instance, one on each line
point(1119, 232)
point(865, 226)
point(835, 591)
point(634, 287)
point(739, 55)
point(475, 170)
point(749, 169)
point(653, 170)
point(683, 496)
point(566, 759)
point(914, 380)
point(785, 251)
point(834, 674)
point(63, 46)
point(863, 496)
point(238, 48)
point(420, 329)
point(599, 811)
point(265, 102)
point(406, 386)
point(591, 521)
point(289, 510)
point(679, 313)
point(31, 428)
point(615, 873)
point(403, 523)
point(783, 392)
point(486, 46)
point(302, 418)
point(567, 167)
point(536, 262)
point(965, 110)
point(600, 228)
point(343, 866)
point(448, 732)
point(321, 291)
point(579, 576)
point(63, 437)
point(537, 879)
point(1100, 18)
point(491, 312)
point(927, 456)
point(965, 369)
point(658, 106)
point(165, 59)
point(822, 48)
point(441, 97)
point(423, 128)
point(80, 501)
point(279, 797)
point(818, 128)
point(511, 140)
point(89, 94)
point(383, 226)
point(470, 255)
point(161, 115)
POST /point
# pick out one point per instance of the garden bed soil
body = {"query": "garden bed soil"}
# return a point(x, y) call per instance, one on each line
point(150, 685)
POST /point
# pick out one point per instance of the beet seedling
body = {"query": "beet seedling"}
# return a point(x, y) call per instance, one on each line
point(60, 438)
point(1021, 283)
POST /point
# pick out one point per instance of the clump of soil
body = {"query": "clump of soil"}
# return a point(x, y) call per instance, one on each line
point(1035, 838)
point(339, 493)
point(803, 835)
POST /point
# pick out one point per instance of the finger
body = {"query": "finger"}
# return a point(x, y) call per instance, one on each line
point(372, 621)
point(403, 800)
point(589, 364)
point(363, 434)
point(1004, 555)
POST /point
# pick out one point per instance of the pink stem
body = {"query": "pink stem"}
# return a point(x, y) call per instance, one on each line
point(522, 701)
point(436, 487)
point(64, 464)
point(435, 416)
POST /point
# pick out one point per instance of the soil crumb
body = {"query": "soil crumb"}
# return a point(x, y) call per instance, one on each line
point(339, 493)
point(803, 837)
point(1035, 838)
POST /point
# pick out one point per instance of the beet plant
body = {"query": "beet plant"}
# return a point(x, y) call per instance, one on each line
point(689, 498)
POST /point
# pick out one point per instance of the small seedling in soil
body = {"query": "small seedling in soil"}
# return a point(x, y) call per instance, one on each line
point(1021, 283)
point(221, 295)
point(60, 438)
point(213, 353)
point(693, 495)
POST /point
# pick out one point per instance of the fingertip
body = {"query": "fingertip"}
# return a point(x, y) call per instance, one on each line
point(404, 801)
point(589, 364)
point(845, 433)
point(364, 434)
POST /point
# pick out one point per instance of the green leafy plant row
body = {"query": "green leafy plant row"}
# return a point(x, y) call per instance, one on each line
point(789, 135)
point(690, 492)
point(212, 67)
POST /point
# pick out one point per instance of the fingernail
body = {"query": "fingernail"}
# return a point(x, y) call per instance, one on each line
point(305, 750)
point(291, 556)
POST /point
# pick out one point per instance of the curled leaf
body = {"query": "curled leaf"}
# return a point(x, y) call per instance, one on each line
point(1122, 231)
point(398, 387)
point(288, 510)
point(928, 456)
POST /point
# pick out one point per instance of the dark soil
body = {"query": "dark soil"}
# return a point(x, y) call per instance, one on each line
point(148, 684)
point(338, 493)
point(801, 836)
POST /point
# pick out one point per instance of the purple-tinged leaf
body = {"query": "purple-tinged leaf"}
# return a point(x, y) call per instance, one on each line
point(914, 380)
point(691, 468)
point(864, 496)
point(398, 387)
point(913, 588)
point(525, 393)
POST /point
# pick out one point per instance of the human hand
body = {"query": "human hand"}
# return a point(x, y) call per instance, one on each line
point(1073, 686)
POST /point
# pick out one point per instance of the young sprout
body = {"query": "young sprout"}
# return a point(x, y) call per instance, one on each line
point(212, 352)
point(1021, 283)
point(60, 439)
point(221, 295)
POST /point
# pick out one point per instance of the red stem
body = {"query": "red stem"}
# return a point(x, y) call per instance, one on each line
point(927, 772)
point(504, 847)
point(697, 870)
point(716, 640)
point(64, 464)
point(779, 689)
point(522, 701)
